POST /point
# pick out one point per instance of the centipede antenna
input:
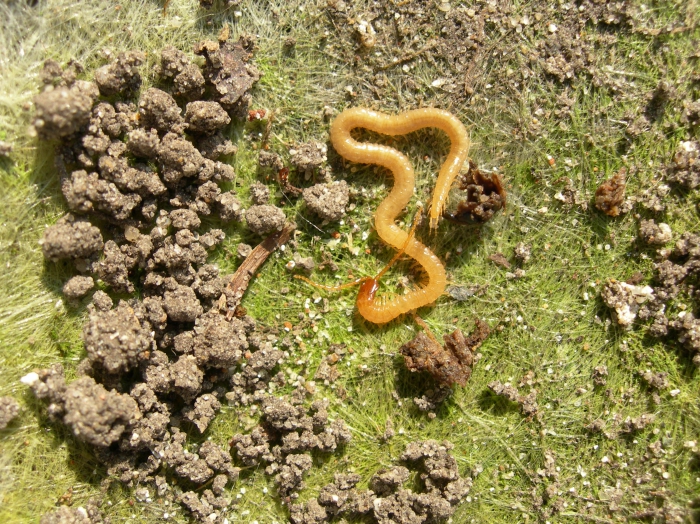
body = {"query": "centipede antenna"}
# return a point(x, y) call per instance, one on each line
point(332, 288)
point(426, 328)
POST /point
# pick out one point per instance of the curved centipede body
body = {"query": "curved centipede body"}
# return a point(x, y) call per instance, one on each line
point(400, 195)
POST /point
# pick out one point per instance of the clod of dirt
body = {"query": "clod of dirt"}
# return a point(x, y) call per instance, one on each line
point(9, 409)
point(185, 219)
point(143, 143)
point(386, 481)
point(217, 341)
point(185, 376)
point(654, 234)
point(121, 76)
point(259, 193)
point(485, 195)
point(306, 264)
point(308, 157)
point(230, 208)
point(328, 201)
point(632, 425)
point(172, 349)
point(265, 219)
point(181, 304)
point(215, 146)
point(432, 399)
point(600, 375)
point(180, 159)
point(159, 110)
point(206, 118)
point(243, 250)
point(113, 269)
point(522, 252)
point(61, 112)
point(78, 287)
point(610, 195)
point(115, 340)
point(268, 159)
point(102, 301)
point(96, 416)
point(442, 488)
point(450, 364)
point(228, 71)
point(86, 192)
point(310, 513)
point(528, 403)
point(203, 412)
point(188, 81)
point(654, 198)
point(298, 431)
point(688, 328)
point(90, 514)
point(685, 168)
point(71, 238)
point(656, 380)
point(625, 299)
point(289, 479)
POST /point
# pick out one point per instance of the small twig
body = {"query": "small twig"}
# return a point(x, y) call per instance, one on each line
point(243, 275)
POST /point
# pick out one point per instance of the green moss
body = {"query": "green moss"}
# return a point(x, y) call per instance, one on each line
point(546, 324)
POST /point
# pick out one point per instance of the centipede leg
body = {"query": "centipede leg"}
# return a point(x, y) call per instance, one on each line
point(399, 254)
point(332, 288)
point(426, 328)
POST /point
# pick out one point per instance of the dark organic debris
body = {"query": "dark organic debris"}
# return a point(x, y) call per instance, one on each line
point(500, 260)
point(449, 364)
point(610, 195)
point(485, 195)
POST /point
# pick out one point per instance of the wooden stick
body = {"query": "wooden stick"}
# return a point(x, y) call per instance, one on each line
point(245, 272)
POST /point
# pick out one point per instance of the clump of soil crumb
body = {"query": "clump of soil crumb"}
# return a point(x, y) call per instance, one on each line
point(441, 489)
point(158, 367)
point(528, 403)
point(9, 409)
point(328, 201)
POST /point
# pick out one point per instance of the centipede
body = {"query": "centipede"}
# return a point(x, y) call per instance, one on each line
point(371, 307)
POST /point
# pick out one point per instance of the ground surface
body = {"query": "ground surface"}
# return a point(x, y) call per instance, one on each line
point(548, 94)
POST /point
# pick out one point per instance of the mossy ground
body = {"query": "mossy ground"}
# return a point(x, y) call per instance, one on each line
point(545, 325)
